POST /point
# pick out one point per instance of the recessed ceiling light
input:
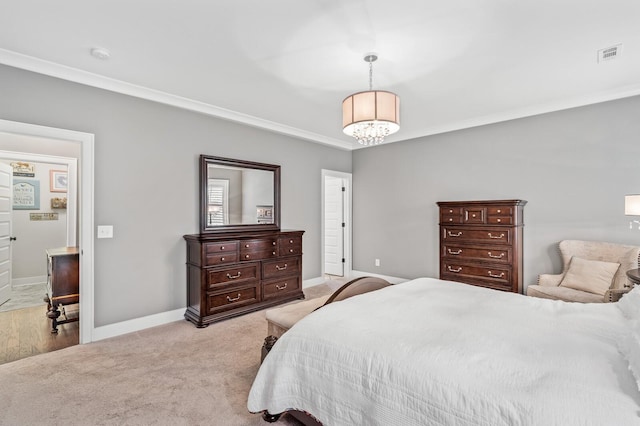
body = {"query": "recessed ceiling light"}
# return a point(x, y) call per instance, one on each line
point(100, 53)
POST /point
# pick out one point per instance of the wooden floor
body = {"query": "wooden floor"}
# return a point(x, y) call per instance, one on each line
point(26, 332)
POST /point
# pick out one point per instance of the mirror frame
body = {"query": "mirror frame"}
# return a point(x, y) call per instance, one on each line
point(205, 162)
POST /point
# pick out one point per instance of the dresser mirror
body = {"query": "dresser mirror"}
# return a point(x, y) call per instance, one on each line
point(237, 195)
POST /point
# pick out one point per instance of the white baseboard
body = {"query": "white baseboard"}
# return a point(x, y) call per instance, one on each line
point(136, 324)
point(17, 282)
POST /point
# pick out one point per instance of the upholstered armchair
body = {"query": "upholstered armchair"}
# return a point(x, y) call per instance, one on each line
point(592, 272)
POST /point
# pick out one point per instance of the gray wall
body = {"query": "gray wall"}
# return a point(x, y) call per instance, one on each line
point(573, 167)
point(146, 180)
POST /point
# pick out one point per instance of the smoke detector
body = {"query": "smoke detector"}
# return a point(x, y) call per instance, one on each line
point(100, 53)
point(609, 53)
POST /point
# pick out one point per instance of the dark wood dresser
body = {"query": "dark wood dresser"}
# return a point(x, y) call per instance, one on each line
point(232, 273)
point(481, 243)
point(63, 284)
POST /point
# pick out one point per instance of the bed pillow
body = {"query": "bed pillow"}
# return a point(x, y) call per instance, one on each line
point(629, 304)
point(592, 276)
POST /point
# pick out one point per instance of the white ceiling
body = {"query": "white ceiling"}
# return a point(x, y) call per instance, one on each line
point(286, 65)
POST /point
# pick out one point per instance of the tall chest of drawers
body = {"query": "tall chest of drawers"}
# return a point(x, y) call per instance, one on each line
point(481, 243)
point(230, 274)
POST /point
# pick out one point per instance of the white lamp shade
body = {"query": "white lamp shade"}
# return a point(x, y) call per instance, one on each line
point(632, 205)
point(371, 106)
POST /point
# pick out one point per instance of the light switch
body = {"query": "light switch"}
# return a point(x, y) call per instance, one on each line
point(105, 231)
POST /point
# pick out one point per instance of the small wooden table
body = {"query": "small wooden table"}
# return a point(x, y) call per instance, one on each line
point(63, 284)
point(634, 276)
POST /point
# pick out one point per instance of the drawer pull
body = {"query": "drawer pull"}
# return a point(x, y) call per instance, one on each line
point(281, 268)
point(233, 277)
point(457, 252)
point(221, 248)
point(500, 275)
point(273, 253)
point(222, 259)
point(246, 245)
point(496, 238)
point(273, 243)
point(499, 211)
point(247, 256)
point(234, 299)
point(454, 270)
point(290, 250)
point(451, 234)
point(281, 288)
point(499, 220)
point(493, 256)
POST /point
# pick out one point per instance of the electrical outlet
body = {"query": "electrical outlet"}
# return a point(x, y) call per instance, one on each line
point(105, 231)
point(377, 262)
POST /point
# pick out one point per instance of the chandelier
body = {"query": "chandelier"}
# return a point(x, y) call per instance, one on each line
point(372, 115)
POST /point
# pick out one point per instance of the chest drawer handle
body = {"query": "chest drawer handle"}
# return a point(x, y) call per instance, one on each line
point(281, 288)
point(496, 238)
point(234, 299)
point(221, 248)
point(279, 268)
point(247, 256)
point(273, 243)
point(493, 256)
point(246, 245)
point(458, 269)
point(233, 277)
point(290, 241)
point(222, 259)
point(457, 252)
point(457, 234)
point(500, 275)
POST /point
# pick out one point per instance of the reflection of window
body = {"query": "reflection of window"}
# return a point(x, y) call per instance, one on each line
point(218, 202)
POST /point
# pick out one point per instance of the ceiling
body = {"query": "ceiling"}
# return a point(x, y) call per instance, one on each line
point(286, 65)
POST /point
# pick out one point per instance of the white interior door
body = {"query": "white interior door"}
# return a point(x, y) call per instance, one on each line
point(6, 177)
point(333, 226)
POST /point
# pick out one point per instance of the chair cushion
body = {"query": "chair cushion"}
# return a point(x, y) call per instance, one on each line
point(592, 276)
point(563, 293)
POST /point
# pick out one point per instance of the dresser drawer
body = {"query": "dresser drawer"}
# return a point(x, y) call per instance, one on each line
point(497, 274)
point(231, 299)
point(280, 287)
point(218, 247)
point(481, 235)
point(451, 215)
point(258, 245)
point(258, 255)
point(237, 274)
point(496, 254)
point(290, 246)
point(221, 258)
point(282, 267)
point(220, 253)
point(474, 215)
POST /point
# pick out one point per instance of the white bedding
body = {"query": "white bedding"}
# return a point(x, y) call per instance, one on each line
point(432, 352)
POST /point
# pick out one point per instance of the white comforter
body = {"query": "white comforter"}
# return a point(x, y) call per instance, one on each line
point(432, 352)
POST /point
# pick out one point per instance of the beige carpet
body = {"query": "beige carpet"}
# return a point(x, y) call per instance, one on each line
point(174, 374)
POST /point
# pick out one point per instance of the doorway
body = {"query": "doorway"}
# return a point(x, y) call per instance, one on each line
point(336, 223)
point(34, 229)
point(85, 218)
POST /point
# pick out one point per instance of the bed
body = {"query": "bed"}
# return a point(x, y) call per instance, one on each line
point(433, 352)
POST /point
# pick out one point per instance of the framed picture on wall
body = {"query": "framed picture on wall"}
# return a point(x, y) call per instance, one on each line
point(58, 180)
point(26, 194)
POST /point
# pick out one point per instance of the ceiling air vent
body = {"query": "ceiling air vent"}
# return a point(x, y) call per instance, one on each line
point(609, 53)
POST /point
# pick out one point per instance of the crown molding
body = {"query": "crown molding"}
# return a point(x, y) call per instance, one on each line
point(52, 69)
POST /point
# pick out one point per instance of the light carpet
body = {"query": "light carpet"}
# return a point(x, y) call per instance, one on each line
point(175, 374)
